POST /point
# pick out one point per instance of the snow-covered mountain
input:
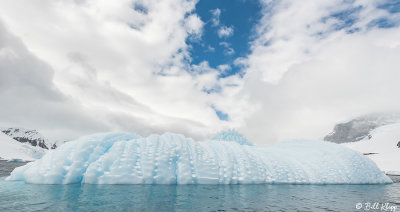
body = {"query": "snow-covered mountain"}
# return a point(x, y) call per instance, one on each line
point(360, 128)
point(11, 149)
point(31, 137)
point(382, 146)
point(376, 135)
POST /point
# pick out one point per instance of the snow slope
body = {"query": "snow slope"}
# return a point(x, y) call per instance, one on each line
point(11, 149)
point(382, 140)
point(31, 137)
point(122, 158)
point(360, 127)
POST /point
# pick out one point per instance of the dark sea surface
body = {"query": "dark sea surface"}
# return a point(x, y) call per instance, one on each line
point(18, 196)
point(7, 167)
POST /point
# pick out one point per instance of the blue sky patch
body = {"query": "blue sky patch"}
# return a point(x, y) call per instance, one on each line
point(226, 33)
point(221, 115)
point(346, 17)
point(392, 6)
point(381, 23)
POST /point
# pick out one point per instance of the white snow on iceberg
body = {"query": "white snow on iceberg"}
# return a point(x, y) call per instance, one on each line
point(122, 158)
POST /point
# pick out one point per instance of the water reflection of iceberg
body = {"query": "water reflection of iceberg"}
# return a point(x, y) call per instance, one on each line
point(122, 158)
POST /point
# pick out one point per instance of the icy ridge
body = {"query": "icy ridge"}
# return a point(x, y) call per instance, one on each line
point(123, 158)
point(231, 136)
point(31, 137)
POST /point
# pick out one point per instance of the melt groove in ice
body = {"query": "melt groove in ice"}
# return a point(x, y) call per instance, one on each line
point(123, 158)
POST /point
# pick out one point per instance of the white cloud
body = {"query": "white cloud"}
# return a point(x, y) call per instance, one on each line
point(228, 50)
point(302, 82)
point(210, 49)
point(224, 68)
point(194, 25)
point(78, 68)
point(293, 30)
point(225, 44)
point(215, 17)
point(29, 97)
point(124, 68)
point(225, 32)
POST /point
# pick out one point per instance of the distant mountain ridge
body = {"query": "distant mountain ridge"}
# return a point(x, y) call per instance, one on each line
point(360, 128)
point(31, 137)
point(10, 149)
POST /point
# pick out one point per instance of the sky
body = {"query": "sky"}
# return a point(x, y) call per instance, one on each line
point(272, 69)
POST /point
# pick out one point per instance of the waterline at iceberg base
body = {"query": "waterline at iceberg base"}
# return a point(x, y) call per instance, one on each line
point(228, 158)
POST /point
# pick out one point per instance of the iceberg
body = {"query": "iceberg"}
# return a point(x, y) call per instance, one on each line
point(228, 158)
point(231, 136)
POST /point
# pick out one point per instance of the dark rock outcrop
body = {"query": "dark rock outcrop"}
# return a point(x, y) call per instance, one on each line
point(32, 137)
point(359, 128)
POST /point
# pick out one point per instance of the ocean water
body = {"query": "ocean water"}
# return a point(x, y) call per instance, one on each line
point(7, 167)
point(18, 196)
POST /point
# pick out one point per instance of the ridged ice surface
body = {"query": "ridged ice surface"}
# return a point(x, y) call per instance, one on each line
point(231, 136)
point(121, 158)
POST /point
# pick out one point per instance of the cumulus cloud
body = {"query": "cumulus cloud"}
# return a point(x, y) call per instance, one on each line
point(194, 26)
point(215, 17)
point(308, 70)
point(29, 97)
point(224, 68)
point(290, 32)
point(210, 49)
point(225, 32)
point(86, 66)
point(228, 50)
point(109, 65)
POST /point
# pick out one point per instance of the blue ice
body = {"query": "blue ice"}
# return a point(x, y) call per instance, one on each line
point(228, 158)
